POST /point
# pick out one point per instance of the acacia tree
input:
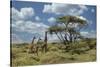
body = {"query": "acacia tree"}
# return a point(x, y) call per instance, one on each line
point(68, 28)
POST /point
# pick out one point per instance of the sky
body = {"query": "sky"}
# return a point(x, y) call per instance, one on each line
point(30, 19)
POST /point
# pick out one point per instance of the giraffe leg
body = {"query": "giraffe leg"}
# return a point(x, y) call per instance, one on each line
point(37, 50)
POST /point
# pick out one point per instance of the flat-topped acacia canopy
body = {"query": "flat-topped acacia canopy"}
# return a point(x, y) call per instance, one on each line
point(72, 19)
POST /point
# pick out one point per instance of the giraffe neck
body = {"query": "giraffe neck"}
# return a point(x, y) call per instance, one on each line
point(45, 40)
point(33, 40)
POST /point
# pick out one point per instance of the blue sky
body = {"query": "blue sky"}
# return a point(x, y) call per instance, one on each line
point(33, 18)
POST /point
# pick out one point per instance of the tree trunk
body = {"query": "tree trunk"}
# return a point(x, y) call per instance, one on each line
point(58, 37)
point(70, 37)
point(63, 39)
point(66, 39)
point(45, 40)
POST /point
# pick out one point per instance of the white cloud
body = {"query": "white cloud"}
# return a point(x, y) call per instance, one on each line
point(15, 14)
point(53, 38)
point(64, 9)
point(23, 13)
point(89, 34)
point(92, 10)
point(19, 22)
point(84, 33)
point(29, 27)
point(81, 17)
point(51, 20)
point(15, 38)
point(47, 8)
point(83, 7)
point(37, 18)
point(90, 22)
point(27, 12)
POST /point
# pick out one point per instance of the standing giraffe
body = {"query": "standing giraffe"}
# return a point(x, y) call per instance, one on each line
point(32, 47)
point(38, 45)
point(39, 42)
point(44, 46)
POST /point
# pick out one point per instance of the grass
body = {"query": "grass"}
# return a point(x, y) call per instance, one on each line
point(80, 52)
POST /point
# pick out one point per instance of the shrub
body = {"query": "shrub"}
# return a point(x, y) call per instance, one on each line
point(77, 51)
point(49, 57)
point(55, 57)
point(15, 52)
point(24, 61)
point(92, 45)
point(54, 49)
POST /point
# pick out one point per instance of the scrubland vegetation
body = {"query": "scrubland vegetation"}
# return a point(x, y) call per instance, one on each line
point(82, 51)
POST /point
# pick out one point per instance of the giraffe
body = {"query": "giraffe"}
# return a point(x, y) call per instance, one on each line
point(35, 47)
point(44, 46)
point(32, 47)
point(38, 45)
point(39, 42)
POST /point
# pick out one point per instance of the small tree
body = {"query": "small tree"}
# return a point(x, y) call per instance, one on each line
point(68, 28)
